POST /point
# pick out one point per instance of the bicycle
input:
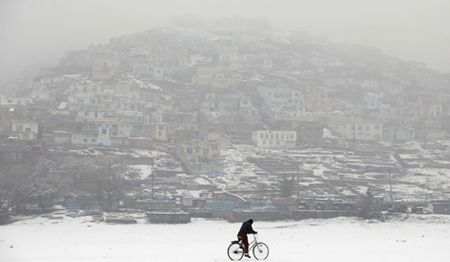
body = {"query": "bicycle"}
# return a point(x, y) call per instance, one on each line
point(259, 249)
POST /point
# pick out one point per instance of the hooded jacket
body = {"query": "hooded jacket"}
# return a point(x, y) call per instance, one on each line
point(246, 228)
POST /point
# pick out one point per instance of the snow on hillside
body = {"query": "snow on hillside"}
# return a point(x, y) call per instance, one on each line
point(77, 239)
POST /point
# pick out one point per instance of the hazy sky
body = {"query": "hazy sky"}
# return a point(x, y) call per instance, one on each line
point(35, 32)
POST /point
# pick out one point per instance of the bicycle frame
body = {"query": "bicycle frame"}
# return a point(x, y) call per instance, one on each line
point(253, 243)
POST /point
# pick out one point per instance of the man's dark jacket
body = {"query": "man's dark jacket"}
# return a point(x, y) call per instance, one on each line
point(246, 228)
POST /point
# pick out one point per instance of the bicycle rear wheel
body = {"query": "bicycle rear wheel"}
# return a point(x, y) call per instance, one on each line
point(260, 251)
point(235, 251)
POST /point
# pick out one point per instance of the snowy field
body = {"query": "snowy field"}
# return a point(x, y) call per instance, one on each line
point(310, 240)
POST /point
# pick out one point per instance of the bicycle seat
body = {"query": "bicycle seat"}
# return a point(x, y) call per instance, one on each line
point(235, 242)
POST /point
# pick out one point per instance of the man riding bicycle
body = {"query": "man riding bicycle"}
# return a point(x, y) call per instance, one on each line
point(246, 228)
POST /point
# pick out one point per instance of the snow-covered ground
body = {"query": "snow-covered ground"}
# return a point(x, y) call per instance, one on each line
point(76, 239)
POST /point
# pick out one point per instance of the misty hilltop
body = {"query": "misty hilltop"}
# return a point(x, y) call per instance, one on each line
point(252, 49)
point(257, 63)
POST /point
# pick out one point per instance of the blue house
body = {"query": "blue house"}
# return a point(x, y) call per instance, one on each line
point(373, 101)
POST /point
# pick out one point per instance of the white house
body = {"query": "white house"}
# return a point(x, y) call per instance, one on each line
point(15, 101)
point(25, 130)
point(274, 138)
point(434, 110)
point(279, 97)
point(91, 114)
point(357, 129)
point(100, 136)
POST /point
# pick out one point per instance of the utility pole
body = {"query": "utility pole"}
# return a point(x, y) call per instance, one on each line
point(298, 182)
point(390, 185)
point(152, 169)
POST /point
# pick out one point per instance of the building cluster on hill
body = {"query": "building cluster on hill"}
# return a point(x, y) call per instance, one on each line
point(238, 108)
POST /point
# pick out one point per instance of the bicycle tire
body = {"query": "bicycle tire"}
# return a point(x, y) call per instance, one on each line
point(260, 251)
point(235, 251)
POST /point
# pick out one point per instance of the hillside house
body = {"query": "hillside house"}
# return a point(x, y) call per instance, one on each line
point(274, 138)
point(25, 129)
point(356, 129)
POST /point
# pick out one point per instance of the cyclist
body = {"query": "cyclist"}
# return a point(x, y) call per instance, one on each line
point(246, 228)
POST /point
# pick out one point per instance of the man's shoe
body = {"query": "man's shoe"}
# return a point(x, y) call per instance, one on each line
point(247, 255)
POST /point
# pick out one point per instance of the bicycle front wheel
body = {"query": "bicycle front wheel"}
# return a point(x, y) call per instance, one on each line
point(235, 251)
point(260, 251)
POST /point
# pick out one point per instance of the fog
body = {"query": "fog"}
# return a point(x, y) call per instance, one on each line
point(36, 33)
point(304, 122)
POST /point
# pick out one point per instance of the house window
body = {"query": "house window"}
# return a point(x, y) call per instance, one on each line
point(16, 157)
point(104, 131)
